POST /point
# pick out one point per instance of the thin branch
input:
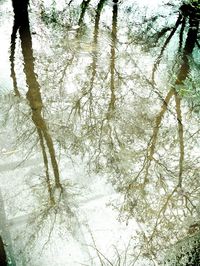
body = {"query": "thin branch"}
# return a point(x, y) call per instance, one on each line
point(157, 62)
point(181, 139)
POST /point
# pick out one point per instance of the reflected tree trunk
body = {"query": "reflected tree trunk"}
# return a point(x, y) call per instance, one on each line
point(157, 62)
point(158, 121)
point(20, 10)
point(95, 43)
point(84, 6)
point(180, 136)
point(156, 128)
point(12, 64)
point(191, 40)
point(95, 39)
point(21, 23)
point(188, 49)
point(190, 13)
point(113, 57)
point(3, 258)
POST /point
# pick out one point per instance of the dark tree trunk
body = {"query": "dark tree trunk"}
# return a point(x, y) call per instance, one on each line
point(3, 258)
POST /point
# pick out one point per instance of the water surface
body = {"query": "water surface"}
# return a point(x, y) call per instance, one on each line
point(99, 138)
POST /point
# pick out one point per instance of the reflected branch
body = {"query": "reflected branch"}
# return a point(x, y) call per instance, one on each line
point(45, 159)
point(157, 62)
point(190, 12)
point(182, 75)
point(181, 34)
point(153, 140)
point(93, 65)
point(113, 57)
point(84, 6)
point(158, 123)
point(181, 139)
point(95, 42)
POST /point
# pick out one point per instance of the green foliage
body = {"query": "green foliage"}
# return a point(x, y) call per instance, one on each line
point(185, 253)
point(190, 91)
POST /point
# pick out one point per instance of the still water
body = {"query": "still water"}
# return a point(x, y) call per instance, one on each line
point(99, 133)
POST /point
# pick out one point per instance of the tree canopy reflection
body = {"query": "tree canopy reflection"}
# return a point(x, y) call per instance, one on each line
point(115, 92)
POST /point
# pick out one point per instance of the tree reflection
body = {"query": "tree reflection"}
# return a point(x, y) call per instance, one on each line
point(97, 119)
point(113, 57)
point(165, 165)
point(132, 127)
point(3, 258)
point(172, 194)
point(84, 6)
point(53, 212)
point(21, 23)
point(188, 21)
